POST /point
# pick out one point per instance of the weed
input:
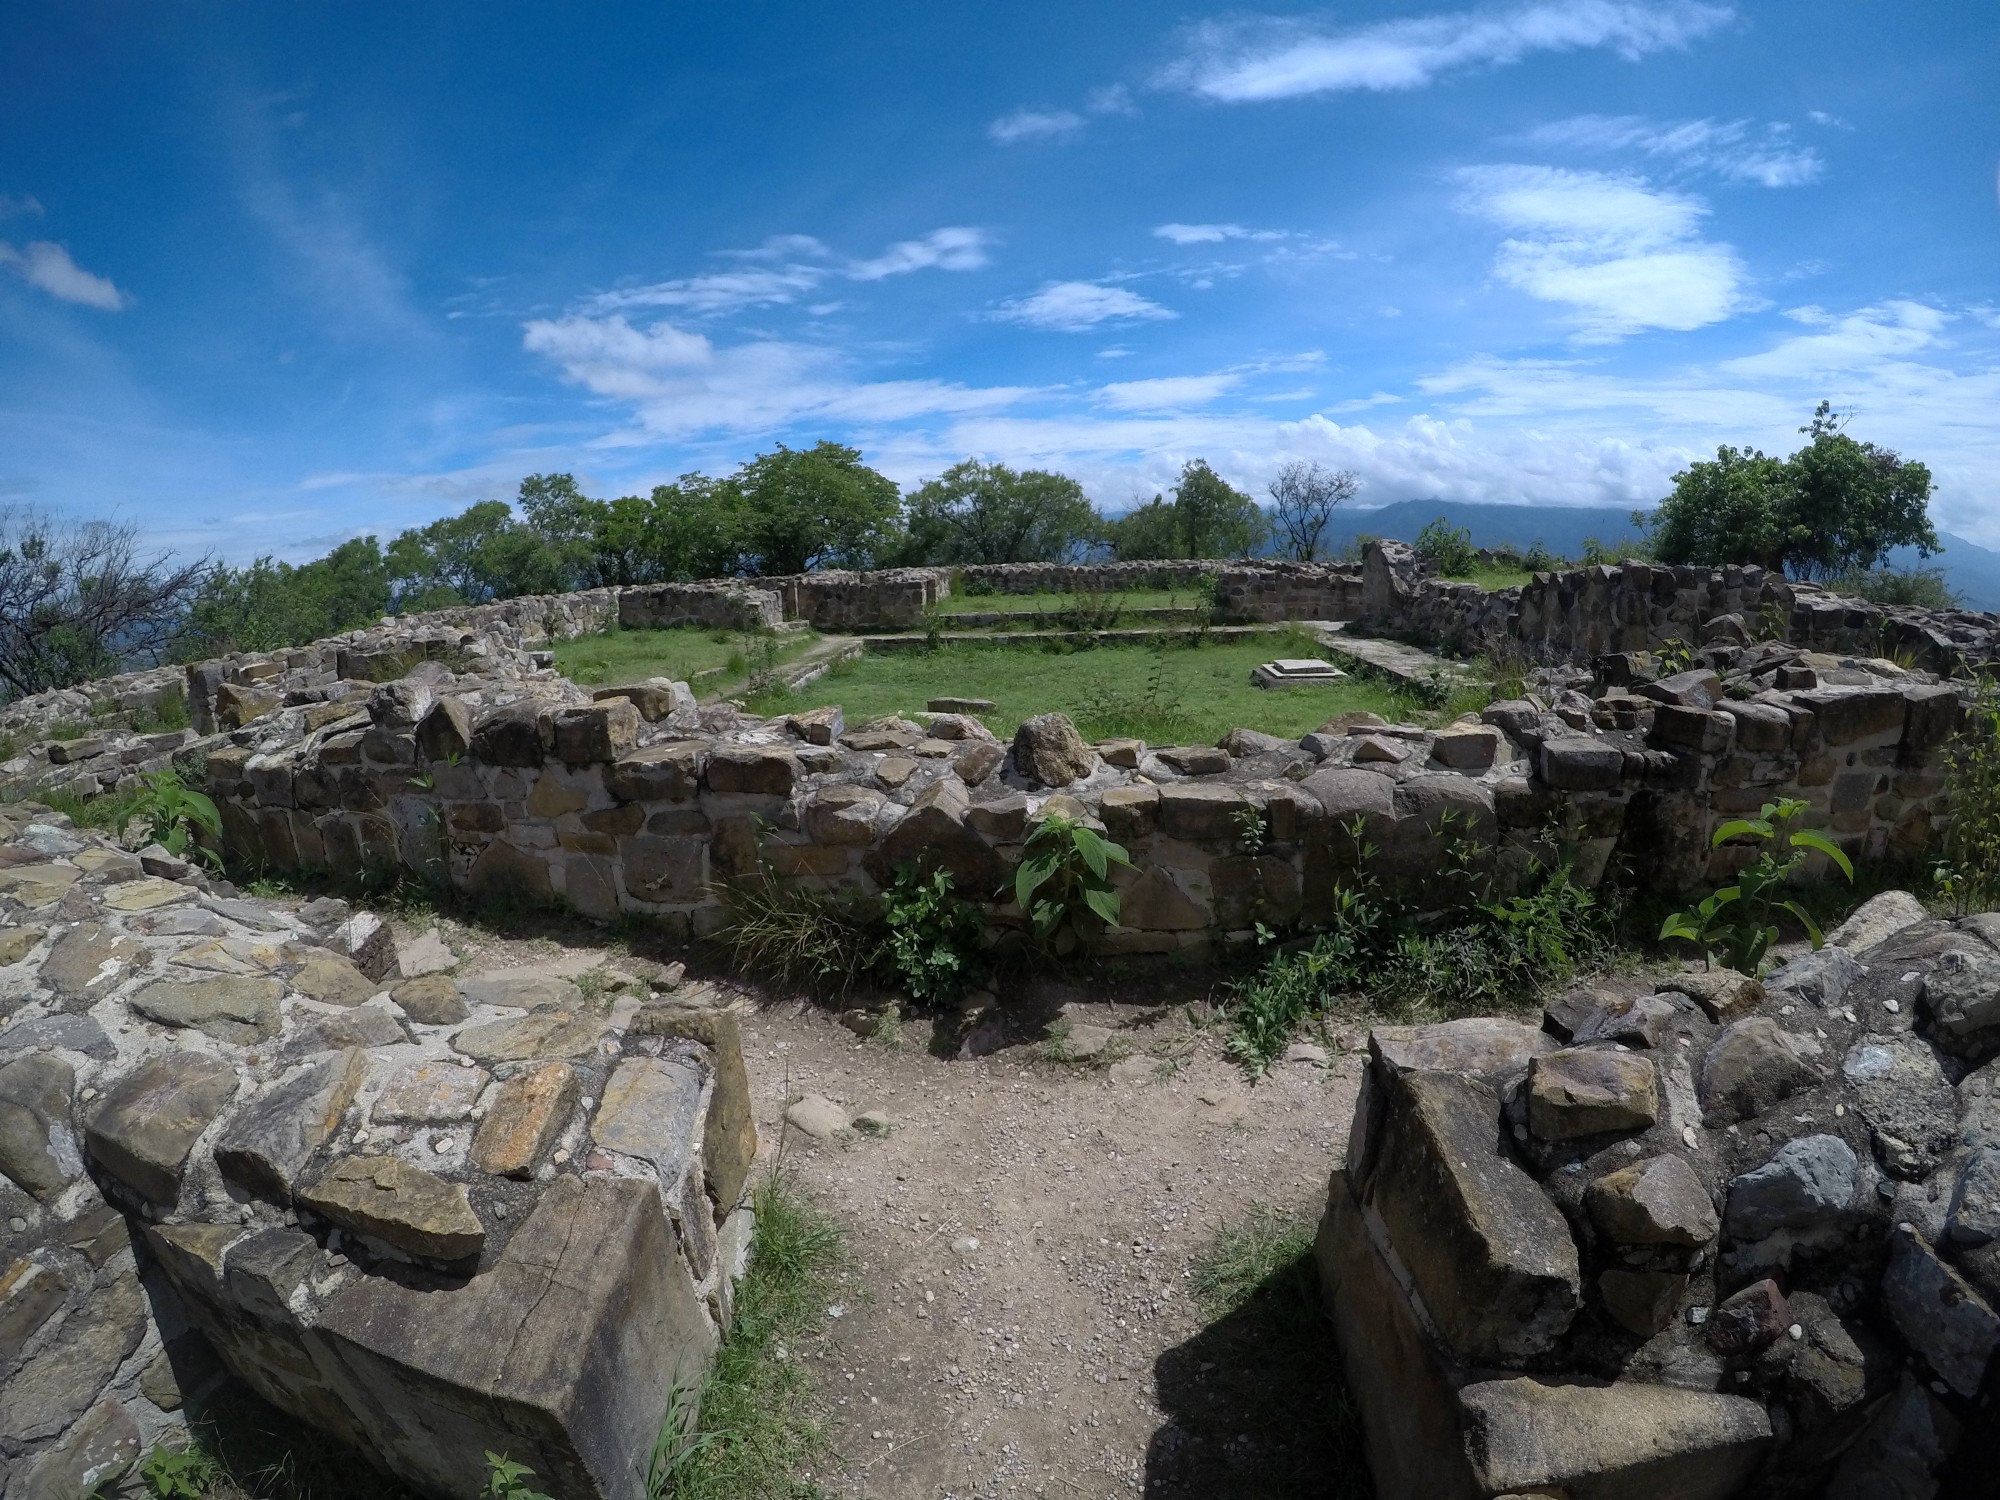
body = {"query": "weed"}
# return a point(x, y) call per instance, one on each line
point(65, 729)
point(797, 937)
point(1738, 918)
point(165, 716)
point(179, 1473)
point(932, 943)
point(1968, 876)
point(760, 1426)
point(174, 811)
point(1447, 548)
point(507, 1480)
point(1064, 880)
point(1674, 655)
point(1244, 1259)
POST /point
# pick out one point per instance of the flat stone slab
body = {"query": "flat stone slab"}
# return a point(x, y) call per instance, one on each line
point(403, 1206)
point(429, 1091)
point(650, 1109)
point(427, 955)
point(146, 893)
point(553, 1034)
point(269, 1143)
point(229, 1008)
point(144, 1128)
point(525, 1120)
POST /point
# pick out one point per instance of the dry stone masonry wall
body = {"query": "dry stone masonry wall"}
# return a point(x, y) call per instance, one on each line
point(1727, 1241)
point(432, 1217)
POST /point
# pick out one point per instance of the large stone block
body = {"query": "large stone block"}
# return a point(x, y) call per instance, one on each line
point(603, 731)
point(387, 1199)
point(659, 773)
point(146, 1124)
point(764, 770)
point(38, 1146)
point(1203, 813)
point(1487, 1254)
point(509, 736)
point(271, 1140)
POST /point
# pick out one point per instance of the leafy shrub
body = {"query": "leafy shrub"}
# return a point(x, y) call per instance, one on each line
point(932, 945)
point(173, 811)
point(179, 1473)
point(1447, 548)
point(1924, 588)
point(1538, 559)
point(1064, 880)
point(1737, 919)
point(1968, 876)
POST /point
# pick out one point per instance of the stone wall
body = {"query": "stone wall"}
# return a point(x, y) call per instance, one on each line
point(432, 1217)
point(1726, 1241)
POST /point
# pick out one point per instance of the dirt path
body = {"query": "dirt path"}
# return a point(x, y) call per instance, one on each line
point(1021, 1320)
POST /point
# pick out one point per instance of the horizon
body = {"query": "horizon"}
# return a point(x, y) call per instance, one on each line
point(269, 281)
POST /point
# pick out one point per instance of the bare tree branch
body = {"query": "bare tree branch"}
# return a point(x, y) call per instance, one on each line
point(78, 601)
point(1304, 497)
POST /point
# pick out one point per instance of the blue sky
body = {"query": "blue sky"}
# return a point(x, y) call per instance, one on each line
point(271, 276)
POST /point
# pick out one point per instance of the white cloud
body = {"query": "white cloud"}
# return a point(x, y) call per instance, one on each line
point(26, 207)
point(1213, 234)
point(49, 268)
point(1729, 148)
point(1034, 125)
point(1073, 306)
point(950, 249)
point(1246, 61)
point(678, 383)
point(1857, 341)
point(1625, 256)
point(777, 277)
point(1166, 393)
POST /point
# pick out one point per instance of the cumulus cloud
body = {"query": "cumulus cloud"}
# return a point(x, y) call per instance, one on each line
point(1623, 255)
point(1735, 149)
point(1244, 61)
point(1074, 306)
point(679, 383)
point(48, 268)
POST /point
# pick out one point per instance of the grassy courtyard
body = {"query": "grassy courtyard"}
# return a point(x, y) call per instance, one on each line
point(1173, 694)
point(1090, 601)
point(683, 654)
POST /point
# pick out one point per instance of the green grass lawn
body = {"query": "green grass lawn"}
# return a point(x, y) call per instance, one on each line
point(1164, 695)
point(1492, 577)
point(633, 655)
point(1052, 604)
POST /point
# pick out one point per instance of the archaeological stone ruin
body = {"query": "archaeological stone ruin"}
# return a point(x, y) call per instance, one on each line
point(1727, 1240)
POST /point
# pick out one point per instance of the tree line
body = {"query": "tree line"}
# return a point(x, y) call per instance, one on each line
point(82, 600)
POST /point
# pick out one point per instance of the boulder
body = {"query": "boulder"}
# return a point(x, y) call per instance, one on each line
point(1659, 1201)
point(1753, 1065)
point(1048, 750)
point(146, 1124)
point(1808, 1185)
point(1876, 920)
point(1591, 1091)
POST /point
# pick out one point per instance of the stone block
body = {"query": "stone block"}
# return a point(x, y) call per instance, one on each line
point(525, 1120)
point(659, 773)
point(1156, 902)
point(665, 871)
point(1754, 1064)
point(650, 1110)
point(1659, 1201)
point(270, 1141)
point(1194, 760)
point(1202, 813)
point(91, 1458)
point(729, 1137)
point(1002, 819)
point(509, 736)
point(818, 726)
point(229, 1007)
point(146, 1124)
point(38, 1146)
point(977, 761)
point(1578, 763)
point(764, 770)
point(1938, 1314)
point(30, 1294)
point(445, 732)
point(1587, 1091)
point(1477, 1046)
point(1466, 747)
point(438, 1090)
point(656, 698)
point(842, 815)
point(503, 871)
point(385, 1198)
point(603, 731)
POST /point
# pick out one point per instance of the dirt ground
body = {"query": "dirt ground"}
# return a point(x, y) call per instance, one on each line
point(1021, 1320)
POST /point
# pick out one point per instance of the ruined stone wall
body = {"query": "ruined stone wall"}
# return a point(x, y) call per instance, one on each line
point(433, 1217)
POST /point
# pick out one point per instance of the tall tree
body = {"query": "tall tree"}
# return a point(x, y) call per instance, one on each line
point(272, 604)
point(78, 600)
point(478, 555)
point(818, 507)
point(1834, 506)
point(988, 513)
point(1145, 532)
point(1214, 519)
point(1304, 497)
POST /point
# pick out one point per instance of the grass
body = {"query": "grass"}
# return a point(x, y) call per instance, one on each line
point(1493, 576)
point(760, 1431)
point(631, 655)
point(238, 1448)
point(1164, 695)
point(1257, 1395)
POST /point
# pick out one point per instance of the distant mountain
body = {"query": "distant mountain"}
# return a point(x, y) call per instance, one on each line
point(1970, 571)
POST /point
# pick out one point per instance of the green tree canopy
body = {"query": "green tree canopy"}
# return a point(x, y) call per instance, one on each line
point(1145, 532)
point(481, 554)
point(817, 507)
point(1215, 519)
point(272, 604)
point(1834, 506)
point(988, 513)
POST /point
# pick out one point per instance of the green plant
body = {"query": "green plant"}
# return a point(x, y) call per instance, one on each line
point(1249, 823)
point(179, 1473)
point(1737, 919)
point(1968, 874)
point(173, 810)
point(507, 1480)
point(1447, 548)
point(795, 936)
point(169, 713)
point(1674, 655)
point(932, 943)
point(1064, 880)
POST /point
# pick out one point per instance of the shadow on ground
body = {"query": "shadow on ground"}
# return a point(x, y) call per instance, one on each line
point(1256, 1407)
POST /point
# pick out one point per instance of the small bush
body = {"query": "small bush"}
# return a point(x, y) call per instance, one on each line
point(932, 946)
point(1968, 876)
point(163, 717)
point(793, 936)
point(507, 1480)
point(1538, 559)
point(1923, 588)
point(1063, 882)
point(1447, 548)
point(1740, 920)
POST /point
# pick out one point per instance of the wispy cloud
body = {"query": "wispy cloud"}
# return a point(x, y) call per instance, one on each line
point(1074, 306)
point(679, 383)
point(1044, 124)
point(950, 249)
point(787, 267)
point(1213, 234)
point(1166, 393)
point(1735, 149)
point(1242, 61)
point(1860, 340)
point(48, 267)
point(25, 207)
point(1623, 255)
